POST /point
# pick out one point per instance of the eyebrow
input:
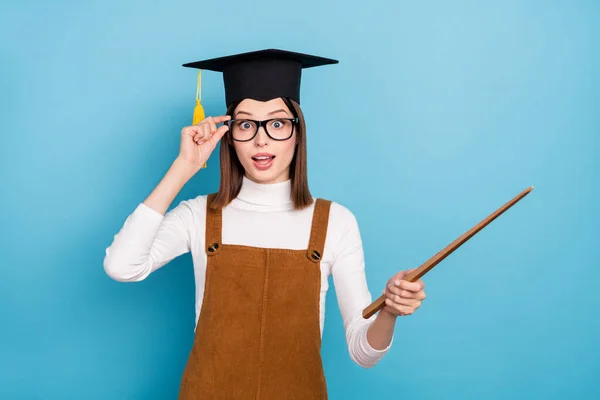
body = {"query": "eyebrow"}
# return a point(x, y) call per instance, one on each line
point(271, 113)
point(276, 111)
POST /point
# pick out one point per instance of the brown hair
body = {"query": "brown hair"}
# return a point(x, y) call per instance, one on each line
point(232, 171)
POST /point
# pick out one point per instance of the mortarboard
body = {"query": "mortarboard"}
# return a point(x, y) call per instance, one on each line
point(261, 75)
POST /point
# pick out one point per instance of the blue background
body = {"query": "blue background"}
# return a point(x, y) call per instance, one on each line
point(438, 113)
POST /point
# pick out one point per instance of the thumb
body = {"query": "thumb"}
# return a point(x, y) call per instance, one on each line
point(401, 274)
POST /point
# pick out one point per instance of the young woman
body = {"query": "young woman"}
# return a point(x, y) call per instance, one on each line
point(262, 247)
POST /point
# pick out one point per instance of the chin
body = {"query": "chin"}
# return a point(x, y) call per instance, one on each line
point(265, 176)
point(269, 175)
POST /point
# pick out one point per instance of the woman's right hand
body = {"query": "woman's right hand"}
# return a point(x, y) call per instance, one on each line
point(198, 141)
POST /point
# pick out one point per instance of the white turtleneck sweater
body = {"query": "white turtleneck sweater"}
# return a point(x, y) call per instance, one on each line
point(263, 216)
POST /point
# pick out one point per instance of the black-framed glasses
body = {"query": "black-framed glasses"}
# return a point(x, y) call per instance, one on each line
point(244, 130)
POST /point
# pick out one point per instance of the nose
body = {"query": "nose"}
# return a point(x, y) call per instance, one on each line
point(261, 138)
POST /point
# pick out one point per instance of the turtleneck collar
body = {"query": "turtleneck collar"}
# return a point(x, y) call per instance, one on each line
point(268, 196)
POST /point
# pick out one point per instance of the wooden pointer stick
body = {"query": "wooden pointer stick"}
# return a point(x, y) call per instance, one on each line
point(417, 273)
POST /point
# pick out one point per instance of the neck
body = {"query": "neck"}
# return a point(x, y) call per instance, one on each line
point(269, 195)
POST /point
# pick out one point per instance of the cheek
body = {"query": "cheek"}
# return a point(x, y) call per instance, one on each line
point(287, 150)
point(243, 150)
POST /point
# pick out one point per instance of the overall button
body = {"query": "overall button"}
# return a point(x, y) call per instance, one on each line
point(213, 247)
point(315, 255)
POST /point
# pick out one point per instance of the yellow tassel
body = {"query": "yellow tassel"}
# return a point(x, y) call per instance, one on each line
point(198, 110)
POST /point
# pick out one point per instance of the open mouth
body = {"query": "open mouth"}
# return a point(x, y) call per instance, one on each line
point(263, 161)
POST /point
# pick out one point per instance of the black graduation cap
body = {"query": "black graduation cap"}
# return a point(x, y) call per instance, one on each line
point(261, 75)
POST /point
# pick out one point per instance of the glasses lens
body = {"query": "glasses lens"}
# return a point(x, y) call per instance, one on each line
point(280, 128)
point(242, 129)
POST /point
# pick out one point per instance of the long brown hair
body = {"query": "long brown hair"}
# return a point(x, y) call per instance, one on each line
point(232, 171)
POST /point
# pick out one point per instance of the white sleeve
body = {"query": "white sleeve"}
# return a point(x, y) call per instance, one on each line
point(351, 288)
point(147, 241)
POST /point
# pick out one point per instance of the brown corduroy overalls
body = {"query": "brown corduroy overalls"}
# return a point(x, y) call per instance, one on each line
point(258, 334)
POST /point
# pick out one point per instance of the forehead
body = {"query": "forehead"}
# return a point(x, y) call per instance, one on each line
point(258, 108)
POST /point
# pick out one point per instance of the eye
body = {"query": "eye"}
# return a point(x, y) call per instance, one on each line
point(278, 124)
point(245, 125)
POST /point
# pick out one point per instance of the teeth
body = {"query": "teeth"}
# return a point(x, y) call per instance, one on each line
point(262, 158)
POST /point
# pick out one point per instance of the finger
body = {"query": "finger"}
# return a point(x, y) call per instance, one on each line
point(190, 130)
point(199, 133)
point(399, 276)
point(206, 132)
point(395, 290)
point(414, 303)
point(402, 274)
point(219, 134)
point(198, 139)
point(412, 286)
point(203, 134)
point(211, 124)
point(221, 118)
point(399, 309)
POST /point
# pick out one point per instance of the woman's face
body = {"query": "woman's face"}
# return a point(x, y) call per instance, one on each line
point(264, 160)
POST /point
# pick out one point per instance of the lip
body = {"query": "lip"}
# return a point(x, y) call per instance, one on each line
point(263, 155)
point(262, 165)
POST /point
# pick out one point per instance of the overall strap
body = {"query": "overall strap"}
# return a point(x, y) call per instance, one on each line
point(318, 231)
point(213, 227)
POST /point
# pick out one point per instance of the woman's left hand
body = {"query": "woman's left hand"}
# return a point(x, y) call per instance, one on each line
point(403, 297)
